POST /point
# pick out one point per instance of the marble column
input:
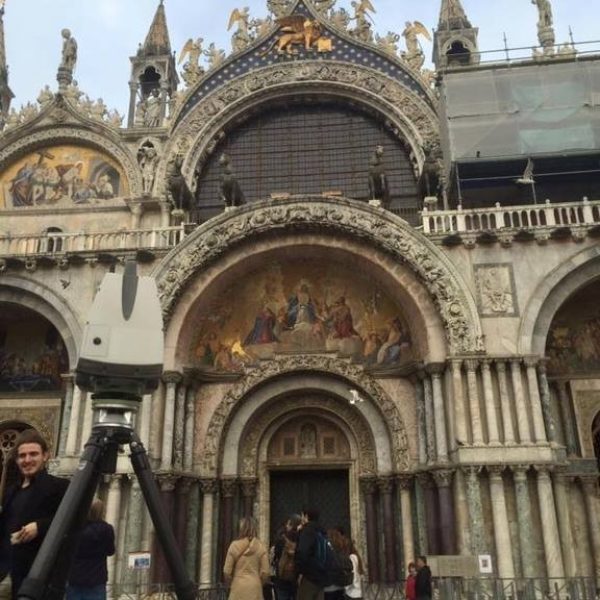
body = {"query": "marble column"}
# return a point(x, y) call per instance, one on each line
point(133, 532)
point(88, 417)
point(568, 421)
point(167, 485)
point(490, 404)
point(113, 505)
point(421, 427)
point(165, 214)
point(71, 445)
point(474, 408)
point(460, 423)
point(369, 489)
point(439, 411)
point(193, 525)
point(209, 489)
point(590, 494)
point(431, 510)
point(504, 557)
point(248, 486)
point(179, 425)
point(463, 537)
point(447, 518)
point(228, 488)
point(69, 384)
point(505, 407)
point(554, 563)
point(180, 526)
point(133, 93)
point(522, 416)
point(523, 503)
point(144, 420)
point(386, 491)
point(190, 423)
point(475, 510)
point(171, 379)
point(545, 400)
point(405, 482)
point(429, 419)
point(136, 210)
point(539, 429)
point(561, 493)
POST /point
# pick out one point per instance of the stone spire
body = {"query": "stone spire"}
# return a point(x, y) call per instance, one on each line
point(455, 41)
point(6, 94)
point(157, 41)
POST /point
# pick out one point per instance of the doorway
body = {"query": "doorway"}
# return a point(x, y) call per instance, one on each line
point(326, 490)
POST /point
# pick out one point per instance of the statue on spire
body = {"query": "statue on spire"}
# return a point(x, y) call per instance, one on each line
point(546, 35)
point(68, 60)
point(545, 13)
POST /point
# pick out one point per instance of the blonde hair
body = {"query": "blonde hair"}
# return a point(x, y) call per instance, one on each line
point(248, 528)
point(96, 512)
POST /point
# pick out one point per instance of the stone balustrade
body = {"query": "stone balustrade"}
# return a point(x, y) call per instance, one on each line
point(66, 242)
point(532, 216)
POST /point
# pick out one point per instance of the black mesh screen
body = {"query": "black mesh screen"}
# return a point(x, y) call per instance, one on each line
point(309, 150)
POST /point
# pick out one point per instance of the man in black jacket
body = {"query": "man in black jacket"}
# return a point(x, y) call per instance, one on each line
point(30, 505)
point(310, 559)
point(423, 584)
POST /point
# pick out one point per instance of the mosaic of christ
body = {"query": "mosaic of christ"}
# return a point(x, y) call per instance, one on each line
point(300, 307)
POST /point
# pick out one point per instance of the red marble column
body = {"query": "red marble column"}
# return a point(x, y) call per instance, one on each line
point(162, 574)
point(431, 511)
point(386, 490)
point(369, 489)
point(182, 493)
point(447, 517)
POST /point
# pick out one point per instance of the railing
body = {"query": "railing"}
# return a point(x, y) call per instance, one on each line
point(512, 217)
point(61, 243)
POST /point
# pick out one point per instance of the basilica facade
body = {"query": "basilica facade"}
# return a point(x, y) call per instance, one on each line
point(379, 287)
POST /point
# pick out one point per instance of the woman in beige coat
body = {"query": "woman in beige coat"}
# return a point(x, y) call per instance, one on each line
point(247, 564)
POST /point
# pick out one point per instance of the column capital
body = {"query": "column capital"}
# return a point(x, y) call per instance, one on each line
point(543, 471)
point(520, 471)
point(531, 362)
point(425, 480)
point(542, 366)
point(500, 364)
point(456, 363)
point(471, 364)
point(167, 482)
point(386, 484)
point(185, 485)
point(368, 485)
point(208, 486)
point(590, 484)
point(249, 485)
point(229, 486)
point(172, 377)
point(486, 363)
point(435, 369)
point(405, 482)
point(471, 470)
point(443, 477)
point(515, 361)
point(496, 471)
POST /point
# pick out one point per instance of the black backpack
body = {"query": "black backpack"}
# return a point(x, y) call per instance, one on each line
point(336, 566)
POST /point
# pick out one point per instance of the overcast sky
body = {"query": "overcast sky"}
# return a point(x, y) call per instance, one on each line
point(108, 33)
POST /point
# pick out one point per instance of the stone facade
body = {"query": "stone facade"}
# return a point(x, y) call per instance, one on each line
point(451, 424)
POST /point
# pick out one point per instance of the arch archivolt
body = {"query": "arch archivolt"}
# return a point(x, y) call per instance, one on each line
point(303, 374)
point(43, 300)
point(407, 113)
point(261, 428)
point(551, 294)
point(310, 217)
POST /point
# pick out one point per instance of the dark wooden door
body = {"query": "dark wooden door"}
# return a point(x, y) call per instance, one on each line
point(325, 490)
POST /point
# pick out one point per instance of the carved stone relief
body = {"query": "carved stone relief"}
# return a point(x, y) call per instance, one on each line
point(496, 290)
point(255, 430)
point(289, 364)
point(379, 228)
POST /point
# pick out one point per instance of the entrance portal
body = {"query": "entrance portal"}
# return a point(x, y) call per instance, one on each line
point(325, 490)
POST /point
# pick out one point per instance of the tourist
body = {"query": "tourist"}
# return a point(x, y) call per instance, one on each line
point(311, 573)
point(284, 579)
point(355, 589)
point(423, 579)
point(411, 581)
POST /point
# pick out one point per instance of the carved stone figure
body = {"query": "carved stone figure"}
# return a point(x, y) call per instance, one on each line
point(261, 27)
point(179, 191)
point(147, 159)
point(414, 54)
point(73, 92)
point(216, 57)
point(114, 119)
point(192, 71)
point(430, 183)
point(340, 19)
point(362, 30)
point(279, 8)
point(378, 181)
point(69, 51)
point(545, 12)
point(296, 29)
point(495, 289)
point(241, 38)
point(98, 110)
point(45, 96)
point(324, 6)
point(389, 43)
point(151, 110)
point(231, 192)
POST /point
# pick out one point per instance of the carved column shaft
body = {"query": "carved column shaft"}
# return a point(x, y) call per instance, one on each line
point(429, 420)
point(463, 522)
point(369, 487)
point(190, 421)
point(539, 430)
point(447, 518)
point(145, 418)
point(421, 426)
point(71, 444)
point(441, 437)
point(590, 494)
point(561, 483)
point(524, 520)
point(408, 541)
point(113, 504)
point(522, 416)
point(566, 416)
point(490, 406)
point(134, 530)
point(554, 563)
point(506, 569)
point(133, 91)
point(191, 544)
point(474, 409)
point(545, 401)
point(475, 511)
point(505, 407)
point(179, 428)
point(208, 487)
point(66, 417)
point(386, 489)
point(171, 380)
point(460, 423)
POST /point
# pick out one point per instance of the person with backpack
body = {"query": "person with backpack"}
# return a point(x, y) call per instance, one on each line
point(310, 557)
point(335, 591)
point(284, 564)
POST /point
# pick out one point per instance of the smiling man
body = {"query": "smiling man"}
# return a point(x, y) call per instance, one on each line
point(30, 505)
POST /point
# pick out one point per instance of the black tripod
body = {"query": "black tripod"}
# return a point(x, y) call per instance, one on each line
point(113, 427)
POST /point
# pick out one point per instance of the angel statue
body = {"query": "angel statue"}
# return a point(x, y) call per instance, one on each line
point(192, 71)
point(261, 27)
point(388, 43)
point(216, 57)
point(241, 38)
point(414, 54)
point(340, 18)
point(363, 19)
point(279, 8)
point(324, 6)
point(545, 12)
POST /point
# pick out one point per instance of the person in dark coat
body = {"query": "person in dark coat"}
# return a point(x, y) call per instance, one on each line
point(423, 581)
point(30, 506)
point(312, 577)
point(95, 543)
point(285, 588)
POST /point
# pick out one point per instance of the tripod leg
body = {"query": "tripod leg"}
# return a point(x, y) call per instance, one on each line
point(43, 580)
point(184, 587)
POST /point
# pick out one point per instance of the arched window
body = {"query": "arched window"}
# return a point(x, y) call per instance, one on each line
point(54, 243)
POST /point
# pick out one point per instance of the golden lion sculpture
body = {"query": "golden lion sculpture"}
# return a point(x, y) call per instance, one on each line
point(295, 30)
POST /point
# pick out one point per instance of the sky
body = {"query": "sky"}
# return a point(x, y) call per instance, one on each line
point(108, 33)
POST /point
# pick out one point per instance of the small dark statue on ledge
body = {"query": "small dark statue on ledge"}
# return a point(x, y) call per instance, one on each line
point(177, 186)
point(430, 183)
point(231, 192)
point(378, 181)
